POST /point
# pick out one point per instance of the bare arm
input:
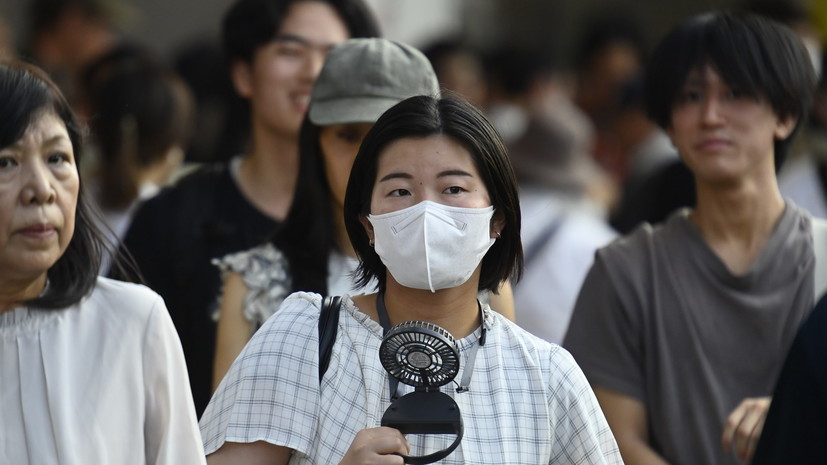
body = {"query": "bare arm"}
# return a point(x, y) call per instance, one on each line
point(503, 302)
point(254, 453)
point(233, 329)
point(744, 425)
point(627, 419)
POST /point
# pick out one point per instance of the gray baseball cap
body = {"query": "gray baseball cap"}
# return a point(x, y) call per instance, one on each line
point(361, 78)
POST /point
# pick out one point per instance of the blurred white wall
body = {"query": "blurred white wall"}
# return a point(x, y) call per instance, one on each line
point(417, 22)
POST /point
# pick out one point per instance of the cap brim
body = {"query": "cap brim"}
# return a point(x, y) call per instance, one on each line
point(349, 110)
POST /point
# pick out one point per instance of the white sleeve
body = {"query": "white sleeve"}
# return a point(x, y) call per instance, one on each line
point(170, 428)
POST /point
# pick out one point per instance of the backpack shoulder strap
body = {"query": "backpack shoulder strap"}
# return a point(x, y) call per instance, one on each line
point(820, 248)
point(328, 326)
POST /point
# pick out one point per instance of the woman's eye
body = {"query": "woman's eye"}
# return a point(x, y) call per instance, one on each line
point(58, 158)
point(399, 193)
point(454, 190)
point(6, 162)
point(349, 136)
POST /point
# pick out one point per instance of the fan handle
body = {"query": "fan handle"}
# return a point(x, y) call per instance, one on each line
point(422, 412)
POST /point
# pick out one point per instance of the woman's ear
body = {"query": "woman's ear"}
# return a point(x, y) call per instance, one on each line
point(368, 227)
point(497, 224)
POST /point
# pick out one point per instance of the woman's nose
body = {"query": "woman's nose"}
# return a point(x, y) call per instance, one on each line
point(38, 188)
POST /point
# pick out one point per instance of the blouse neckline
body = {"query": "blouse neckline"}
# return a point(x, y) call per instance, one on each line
point(22, 320)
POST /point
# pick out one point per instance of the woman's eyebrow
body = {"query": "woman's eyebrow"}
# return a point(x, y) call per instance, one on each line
point(441, 174)
point(397, 175)
point(454, 173)
point(50, 141)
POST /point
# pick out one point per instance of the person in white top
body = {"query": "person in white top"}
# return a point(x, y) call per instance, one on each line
point(360, 79)
point(432, 211)
point(92, 369)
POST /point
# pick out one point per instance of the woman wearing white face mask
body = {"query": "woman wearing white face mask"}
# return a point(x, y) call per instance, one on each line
point(432, 212)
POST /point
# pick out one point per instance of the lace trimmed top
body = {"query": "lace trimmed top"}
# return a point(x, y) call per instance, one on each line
point(264, 271)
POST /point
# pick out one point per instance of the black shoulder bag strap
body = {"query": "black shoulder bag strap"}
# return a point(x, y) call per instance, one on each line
point(328, 325)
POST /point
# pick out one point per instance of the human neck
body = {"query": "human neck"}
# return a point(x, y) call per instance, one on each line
point(455, 309)
point(15, 292)
point(157, 173)
point(737, 223)
point(269, 172)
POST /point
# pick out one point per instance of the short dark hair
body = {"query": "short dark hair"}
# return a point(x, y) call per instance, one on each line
point(25, 93)
point(250, 24)
point(140, 109)
point(605, 28)
point(424, 116)
point(44, 14)
point(758, 56)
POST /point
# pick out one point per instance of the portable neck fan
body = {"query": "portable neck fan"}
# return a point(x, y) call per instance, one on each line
point(425, 356)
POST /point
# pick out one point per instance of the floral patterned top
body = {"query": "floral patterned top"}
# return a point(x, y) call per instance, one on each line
point(264, 271)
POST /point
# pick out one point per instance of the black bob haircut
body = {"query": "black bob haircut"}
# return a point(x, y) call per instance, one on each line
point(423, 116)
point(759, 57)
point(26, 92)
point(251, 24)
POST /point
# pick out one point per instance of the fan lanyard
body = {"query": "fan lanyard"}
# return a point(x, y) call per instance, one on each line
point(472, 356)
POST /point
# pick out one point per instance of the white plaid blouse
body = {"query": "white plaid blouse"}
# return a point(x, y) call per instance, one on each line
point(529, 403)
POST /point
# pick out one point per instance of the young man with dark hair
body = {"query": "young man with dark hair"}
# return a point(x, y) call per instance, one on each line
point(682, 328)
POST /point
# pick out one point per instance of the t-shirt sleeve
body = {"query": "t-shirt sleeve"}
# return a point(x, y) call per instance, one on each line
point(271, 392)
point(581, 433)
point(171, 429)
point(604, 334)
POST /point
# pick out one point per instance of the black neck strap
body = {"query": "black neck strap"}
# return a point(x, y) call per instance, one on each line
point(465, 382)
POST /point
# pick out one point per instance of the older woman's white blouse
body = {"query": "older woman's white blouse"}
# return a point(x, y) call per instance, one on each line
point(101, 382)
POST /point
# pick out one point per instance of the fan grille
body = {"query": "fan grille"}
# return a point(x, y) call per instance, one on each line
point(420, 354)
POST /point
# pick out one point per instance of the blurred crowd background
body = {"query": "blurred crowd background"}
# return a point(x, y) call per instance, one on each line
point(560, 79)
point(171, 26)
point(501, 54)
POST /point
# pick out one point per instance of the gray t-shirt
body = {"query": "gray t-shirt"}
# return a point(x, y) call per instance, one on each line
point(660, 318)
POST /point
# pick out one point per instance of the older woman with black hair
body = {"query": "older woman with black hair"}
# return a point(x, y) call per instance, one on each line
point(92, 369)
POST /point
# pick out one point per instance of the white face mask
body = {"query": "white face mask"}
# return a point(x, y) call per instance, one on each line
point(432, 246)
